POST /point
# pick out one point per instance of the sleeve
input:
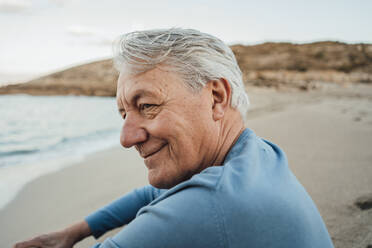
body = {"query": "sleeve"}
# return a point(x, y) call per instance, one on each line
point(121, 211)
point(182, 220)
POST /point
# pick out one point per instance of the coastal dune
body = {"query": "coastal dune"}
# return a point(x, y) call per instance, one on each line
point(326, 135)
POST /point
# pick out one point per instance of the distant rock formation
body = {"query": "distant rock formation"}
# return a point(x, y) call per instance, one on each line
point(280, 65)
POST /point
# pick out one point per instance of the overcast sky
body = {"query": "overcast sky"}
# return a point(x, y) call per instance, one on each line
point(39, 36)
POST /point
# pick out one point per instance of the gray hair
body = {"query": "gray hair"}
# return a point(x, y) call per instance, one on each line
point(197, 57)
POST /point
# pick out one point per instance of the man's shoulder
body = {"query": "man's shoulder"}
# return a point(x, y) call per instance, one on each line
point(200, 188)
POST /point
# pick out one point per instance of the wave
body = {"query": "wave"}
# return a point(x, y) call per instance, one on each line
point(19, 152)
point(62, 146)
point(85, 137)
point(55, 127)
point(52, 143)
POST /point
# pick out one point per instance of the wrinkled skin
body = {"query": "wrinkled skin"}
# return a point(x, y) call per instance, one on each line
point(177, 132)
point(51, 240)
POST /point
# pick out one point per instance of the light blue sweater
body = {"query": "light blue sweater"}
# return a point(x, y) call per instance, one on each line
point(253, 200)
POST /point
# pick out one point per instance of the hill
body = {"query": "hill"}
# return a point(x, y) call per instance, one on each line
point(280, 65)
point(93, 79)
point(304, 65)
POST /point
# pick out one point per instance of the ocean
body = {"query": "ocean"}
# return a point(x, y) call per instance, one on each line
point(42, 134)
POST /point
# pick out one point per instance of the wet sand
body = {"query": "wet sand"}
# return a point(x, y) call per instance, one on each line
point(327, 135)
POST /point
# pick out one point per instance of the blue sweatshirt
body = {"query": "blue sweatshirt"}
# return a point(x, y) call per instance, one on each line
point(252, 200)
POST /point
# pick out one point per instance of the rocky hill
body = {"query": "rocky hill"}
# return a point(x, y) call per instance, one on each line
point(280, 65)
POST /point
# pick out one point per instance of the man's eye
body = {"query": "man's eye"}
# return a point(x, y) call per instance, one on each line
point(146, 106)
point(149, 110)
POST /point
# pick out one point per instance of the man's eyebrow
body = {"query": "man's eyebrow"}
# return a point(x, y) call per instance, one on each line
point(142, 93)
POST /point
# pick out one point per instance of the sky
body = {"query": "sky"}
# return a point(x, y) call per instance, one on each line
point(41, 36)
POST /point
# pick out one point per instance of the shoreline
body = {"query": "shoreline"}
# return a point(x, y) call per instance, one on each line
point(14, 178)
point(326, 136)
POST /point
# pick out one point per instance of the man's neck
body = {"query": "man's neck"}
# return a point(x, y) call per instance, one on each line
point(230, 131)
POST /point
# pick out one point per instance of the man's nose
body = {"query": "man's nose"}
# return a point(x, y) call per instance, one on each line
point(132, 133)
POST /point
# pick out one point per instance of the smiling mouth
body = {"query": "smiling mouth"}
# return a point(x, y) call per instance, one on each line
point(155, 152)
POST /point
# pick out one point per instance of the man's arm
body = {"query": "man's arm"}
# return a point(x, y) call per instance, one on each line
point(121, 211)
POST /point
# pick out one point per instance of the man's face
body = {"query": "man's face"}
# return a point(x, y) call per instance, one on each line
point(171, 127)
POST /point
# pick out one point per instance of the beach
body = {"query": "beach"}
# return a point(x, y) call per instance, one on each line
point(326, 134)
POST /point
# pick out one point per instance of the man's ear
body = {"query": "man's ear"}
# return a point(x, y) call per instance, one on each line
point(221, 97)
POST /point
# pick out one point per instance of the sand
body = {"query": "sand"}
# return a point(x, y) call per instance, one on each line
point(326, 134)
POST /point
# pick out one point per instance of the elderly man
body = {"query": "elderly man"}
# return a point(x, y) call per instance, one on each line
point(214, 183)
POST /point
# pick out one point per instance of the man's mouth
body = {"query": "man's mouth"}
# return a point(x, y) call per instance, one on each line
point(150, 154)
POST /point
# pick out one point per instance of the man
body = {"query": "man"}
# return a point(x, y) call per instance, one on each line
point(214, 183)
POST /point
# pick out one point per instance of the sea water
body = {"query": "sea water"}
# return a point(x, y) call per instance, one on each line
point(42, 134)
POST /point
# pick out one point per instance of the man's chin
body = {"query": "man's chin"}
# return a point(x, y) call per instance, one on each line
point(161, 182)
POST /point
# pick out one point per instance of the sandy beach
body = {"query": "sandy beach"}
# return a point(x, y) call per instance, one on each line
point(326, 133)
